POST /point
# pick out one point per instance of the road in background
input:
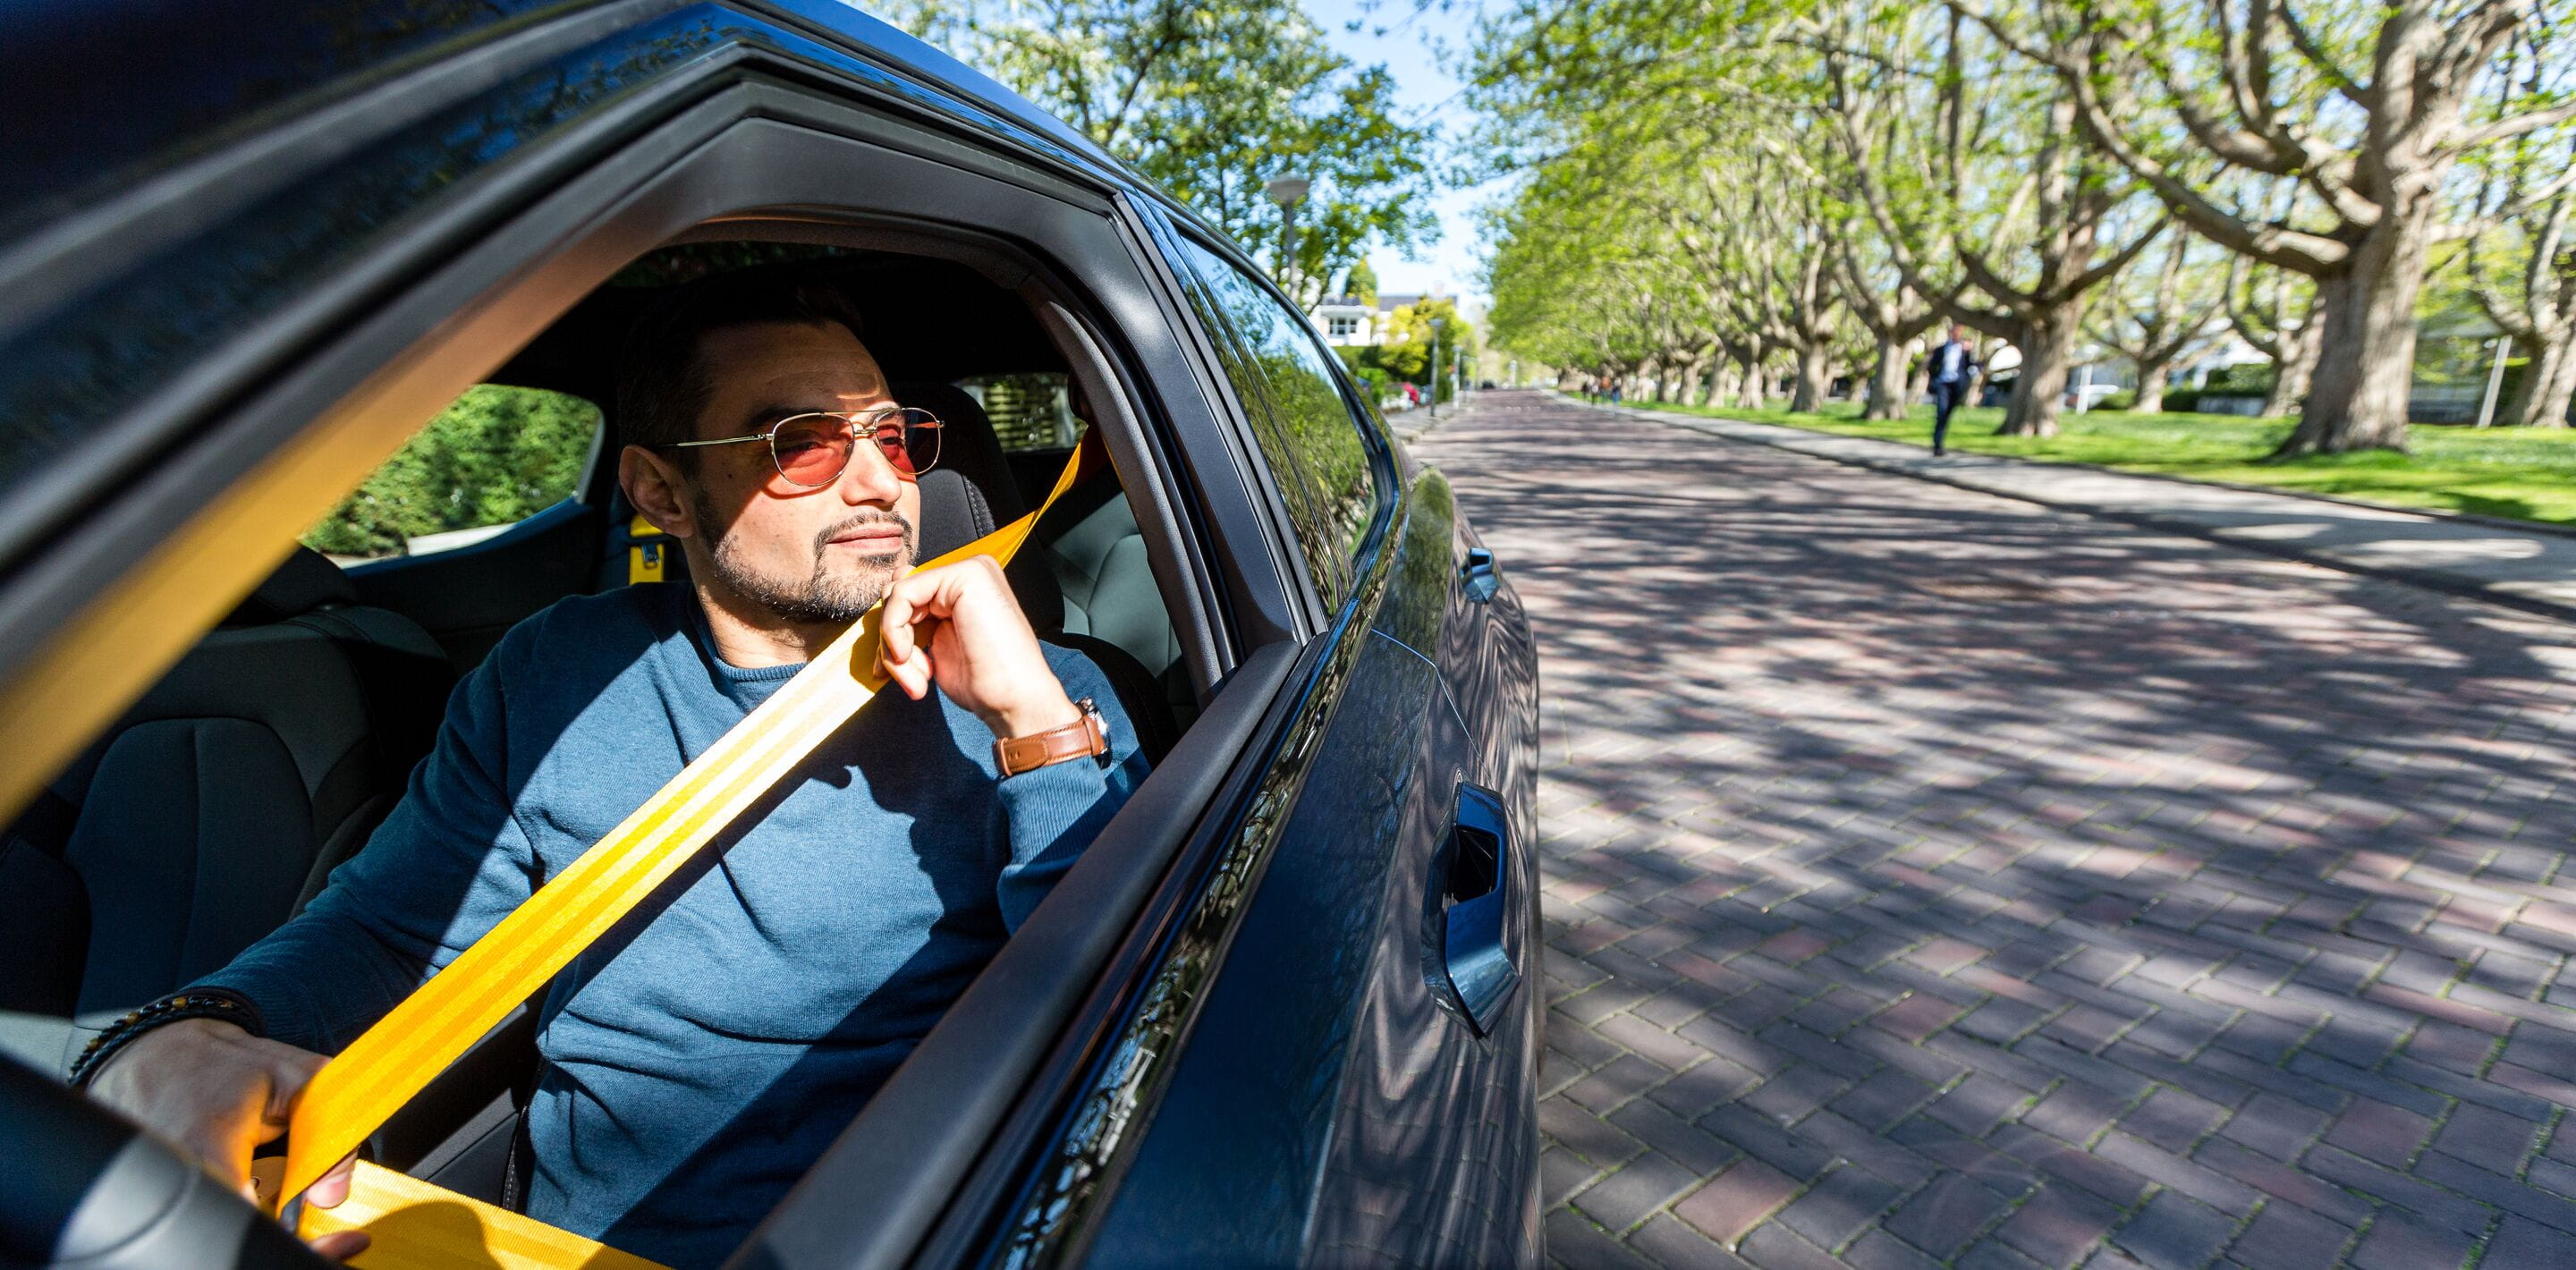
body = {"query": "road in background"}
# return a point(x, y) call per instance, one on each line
point(1933, 875)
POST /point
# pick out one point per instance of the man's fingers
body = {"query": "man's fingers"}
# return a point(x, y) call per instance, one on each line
point(913, 674)
point(331, 1188)
point(340, 1245)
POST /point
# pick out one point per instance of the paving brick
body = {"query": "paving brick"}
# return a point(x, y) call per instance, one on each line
point(2394, 1242)
point(1839, 1206)
point(1735, 1200)
point(1675, 1245)
point(1776, 1247)
point(2519, 1242)
point(1561, 1173)
point(1619, 1080)
point(2377, 1131)
point(1947, 1215)
point(2275, 1126)
point(2174, 1230)
point(2074, 1112)
point(2173, 1119)
point(2058, 1225)
point(1635, 1189)
point(2286, 1237)
point(2282, 1181)
point(1572, 1240)
point(1883, 1099)
point(1976, 1105)
point(2489, 1139)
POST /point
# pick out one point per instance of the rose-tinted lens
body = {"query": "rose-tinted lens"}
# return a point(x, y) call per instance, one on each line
point(920, 440)
point(812, 449)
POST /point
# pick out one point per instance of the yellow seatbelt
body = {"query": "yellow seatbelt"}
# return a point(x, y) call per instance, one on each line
point(392, 1061)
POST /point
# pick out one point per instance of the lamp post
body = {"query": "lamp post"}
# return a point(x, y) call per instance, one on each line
point(1288, 192)
point(1436, 324)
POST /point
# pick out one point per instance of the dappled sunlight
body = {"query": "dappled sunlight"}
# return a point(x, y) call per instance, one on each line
point(1857, 784)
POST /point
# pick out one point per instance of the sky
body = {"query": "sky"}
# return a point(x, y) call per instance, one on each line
point(1414, 50)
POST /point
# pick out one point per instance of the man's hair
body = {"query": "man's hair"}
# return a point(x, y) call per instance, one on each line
point(662, 383)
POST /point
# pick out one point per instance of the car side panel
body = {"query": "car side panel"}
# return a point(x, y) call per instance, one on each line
point(1326, 1108)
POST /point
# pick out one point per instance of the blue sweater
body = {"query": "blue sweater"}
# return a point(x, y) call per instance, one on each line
point(700, 1056)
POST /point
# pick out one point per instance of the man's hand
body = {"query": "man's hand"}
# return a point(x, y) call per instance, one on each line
point(958, 626)
point(215, 1091)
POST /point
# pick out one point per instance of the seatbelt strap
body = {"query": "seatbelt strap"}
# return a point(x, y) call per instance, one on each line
point(391, 1062)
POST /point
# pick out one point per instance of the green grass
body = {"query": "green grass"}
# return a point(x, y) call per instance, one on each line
point(2518, 473)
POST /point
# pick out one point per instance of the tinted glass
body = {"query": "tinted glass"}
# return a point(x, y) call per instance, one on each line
point(494, 457)
point(1299, 418)
point(1030, 411)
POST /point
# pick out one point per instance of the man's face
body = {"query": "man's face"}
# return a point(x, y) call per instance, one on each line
point(820, 555)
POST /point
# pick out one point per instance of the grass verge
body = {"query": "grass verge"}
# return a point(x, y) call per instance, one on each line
point(2516, 473)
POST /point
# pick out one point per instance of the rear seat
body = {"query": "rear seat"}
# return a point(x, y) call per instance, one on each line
point(215, 808)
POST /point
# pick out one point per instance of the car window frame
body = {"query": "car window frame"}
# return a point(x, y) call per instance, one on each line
point(392, 361)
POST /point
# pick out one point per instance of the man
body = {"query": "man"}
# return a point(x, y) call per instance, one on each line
point(698, 1059)
point(1953, 367)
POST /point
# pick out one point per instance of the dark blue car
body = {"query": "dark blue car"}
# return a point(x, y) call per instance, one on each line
point(1285, 1008)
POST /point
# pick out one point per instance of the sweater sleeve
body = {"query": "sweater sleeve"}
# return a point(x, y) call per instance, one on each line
point(448, 863)
point(1052, 813)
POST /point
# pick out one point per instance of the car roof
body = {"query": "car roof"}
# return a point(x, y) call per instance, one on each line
point(102, 94)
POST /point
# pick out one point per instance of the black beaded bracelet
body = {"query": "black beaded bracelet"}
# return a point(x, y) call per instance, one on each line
point(196, 1003)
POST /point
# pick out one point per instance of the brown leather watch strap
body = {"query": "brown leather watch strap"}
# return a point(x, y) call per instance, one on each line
point(1085, 737)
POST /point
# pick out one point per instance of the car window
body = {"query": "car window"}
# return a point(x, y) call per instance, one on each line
point(1031, 411)
point(1299, 418)
point(497, 455)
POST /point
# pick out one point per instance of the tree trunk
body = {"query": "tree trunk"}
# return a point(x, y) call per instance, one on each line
point(2295, 366)
point(1750, 394)
point(2544, 381)
point(1887, 381)
point(1919, 385)
point(1815, 370)
point(2549, 407)
point(2151, 388)
point(2047, 354)
point(2358, 399)
point(1721, 383)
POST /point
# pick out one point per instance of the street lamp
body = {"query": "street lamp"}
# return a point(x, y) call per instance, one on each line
point(1436, 324)
point(1288, 192)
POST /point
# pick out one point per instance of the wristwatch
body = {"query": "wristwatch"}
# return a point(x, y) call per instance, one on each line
point(1086, 737)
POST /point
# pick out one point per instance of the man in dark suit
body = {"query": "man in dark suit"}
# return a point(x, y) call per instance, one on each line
point(1953, 367)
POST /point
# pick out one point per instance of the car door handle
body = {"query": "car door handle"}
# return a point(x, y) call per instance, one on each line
point(1477, 577)
point(1464, 956)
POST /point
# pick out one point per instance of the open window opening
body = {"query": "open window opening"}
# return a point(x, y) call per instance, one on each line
point(219, 805)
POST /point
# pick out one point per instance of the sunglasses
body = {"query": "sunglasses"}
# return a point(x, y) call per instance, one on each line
point(814, 448)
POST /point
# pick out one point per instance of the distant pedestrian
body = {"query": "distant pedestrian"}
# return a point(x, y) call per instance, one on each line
point(1953, 367)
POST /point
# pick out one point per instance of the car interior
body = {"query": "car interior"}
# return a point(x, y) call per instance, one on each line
point(218, 805)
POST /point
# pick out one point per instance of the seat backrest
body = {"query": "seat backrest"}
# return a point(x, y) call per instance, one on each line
point(215, 808)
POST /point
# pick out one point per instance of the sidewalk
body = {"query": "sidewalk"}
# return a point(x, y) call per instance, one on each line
point(2530, 569)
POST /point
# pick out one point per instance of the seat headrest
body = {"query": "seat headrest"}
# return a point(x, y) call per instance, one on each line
point(307, 581)
point(967, 445)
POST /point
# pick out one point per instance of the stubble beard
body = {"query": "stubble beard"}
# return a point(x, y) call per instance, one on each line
point(822, 596)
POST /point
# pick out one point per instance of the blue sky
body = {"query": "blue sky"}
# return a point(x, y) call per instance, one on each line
point(1414, 49)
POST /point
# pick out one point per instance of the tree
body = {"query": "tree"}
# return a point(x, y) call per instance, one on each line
point(2036, 251)
point(1361, 283)
point(2534, 302)
point(1210, 101)
point(2365, 110)
point(2277, 316)
point(2161, 319)
point(1895, 314)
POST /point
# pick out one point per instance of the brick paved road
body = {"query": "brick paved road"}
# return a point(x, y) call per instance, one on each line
point(1933, 879)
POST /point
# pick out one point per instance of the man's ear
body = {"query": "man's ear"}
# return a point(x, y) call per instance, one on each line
point(658, 491)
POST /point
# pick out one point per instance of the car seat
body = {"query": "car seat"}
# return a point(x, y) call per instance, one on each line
point(215, 808)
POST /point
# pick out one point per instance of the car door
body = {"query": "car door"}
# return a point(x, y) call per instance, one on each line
point(1358, 1076)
